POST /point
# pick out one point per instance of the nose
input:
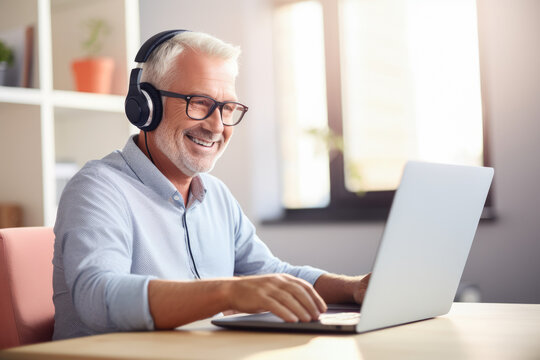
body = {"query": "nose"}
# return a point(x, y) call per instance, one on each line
point(213, 123)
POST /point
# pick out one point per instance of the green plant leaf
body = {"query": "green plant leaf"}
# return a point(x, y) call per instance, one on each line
point(97, 29)
point(6, 54)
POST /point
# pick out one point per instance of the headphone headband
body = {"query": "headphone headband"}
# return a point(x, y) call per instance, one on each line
point(149, 45)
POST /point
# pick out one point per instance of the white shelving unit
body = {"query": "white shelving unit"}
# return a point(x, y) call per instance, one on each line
point(51, 122)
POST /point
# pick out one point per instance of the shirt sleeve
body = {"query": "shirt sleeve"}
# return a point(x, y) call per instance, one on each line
point(252, 256)
point(93, 231)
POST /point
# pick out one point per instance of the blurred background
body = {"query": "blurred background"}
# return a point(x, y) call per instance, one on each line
point(340, 95)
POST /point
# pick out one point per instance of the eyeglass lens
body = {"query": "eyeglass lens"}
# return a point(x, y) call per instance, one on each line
point(200, 107)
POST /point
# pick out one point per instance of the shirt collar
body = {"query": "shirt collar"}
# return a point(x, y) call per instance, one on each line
point(150, 175)
point(197, 188)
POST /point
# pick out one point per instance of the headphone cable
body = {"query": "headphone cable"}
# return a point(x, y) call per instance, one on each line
point(147, 149)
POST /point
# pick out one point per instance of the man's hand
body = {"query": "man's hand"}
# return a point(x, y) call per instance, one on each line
point(360, 288)
point(286, 296)
point(335, 289)
point(175, 303)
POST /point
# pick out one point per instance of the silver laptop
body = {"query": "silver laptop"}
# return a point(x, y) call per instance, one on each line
point(421, 256)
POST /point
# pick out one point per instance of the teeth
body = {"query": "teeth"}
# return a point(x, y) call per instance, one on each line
point(201, 142)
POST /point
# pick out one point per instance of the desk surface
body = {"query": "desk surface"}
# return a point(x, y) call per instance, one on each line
point(469, 331)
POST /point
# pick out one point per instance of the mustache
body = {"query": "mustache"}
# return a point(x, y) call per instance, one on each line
point(204, 134)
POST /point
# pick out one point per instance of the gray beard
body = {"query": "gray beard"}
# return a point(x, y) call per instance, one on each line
point(180, 156)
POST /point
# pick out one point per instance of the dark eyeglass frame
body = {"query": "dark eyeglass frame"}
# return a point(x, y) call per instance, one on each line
point(217, 104)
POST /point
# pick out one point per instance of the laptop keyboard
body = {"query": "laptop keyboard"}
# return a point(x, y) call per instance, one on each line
point(342, 318)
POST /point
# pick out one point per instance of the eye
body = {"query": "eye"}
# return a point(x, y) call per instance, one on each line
point(229, 107)
point(200, 101)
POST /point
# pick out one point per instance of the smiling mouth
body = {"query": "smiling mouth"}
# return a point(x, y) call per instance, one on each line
point(207, 144)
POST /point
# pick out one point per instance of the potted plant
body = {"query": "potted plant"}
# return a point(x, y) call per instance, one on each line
point(6, 59)
point(93, 73)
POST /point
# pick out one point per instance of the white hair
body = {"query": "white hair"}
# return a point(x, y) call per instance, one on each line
point(157, 70)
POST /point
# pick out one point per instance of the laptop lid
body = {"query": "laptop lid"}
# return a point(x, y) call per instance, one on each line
point(425, 244)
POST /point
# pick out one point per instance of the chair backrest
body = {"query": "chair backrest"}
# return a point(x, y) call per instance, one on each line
point(26, 307)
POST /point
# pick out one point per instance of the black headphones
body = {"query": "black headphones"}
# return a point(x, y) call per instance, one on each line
point(143, 105)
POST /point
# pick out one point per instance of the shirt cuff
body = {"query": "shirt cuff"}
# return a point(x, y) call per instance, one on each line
point(311, 274)
point(130, 309)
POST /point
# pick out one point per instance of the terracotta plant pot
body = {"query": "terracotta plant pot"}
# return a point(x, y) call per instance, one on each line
point(93, 74)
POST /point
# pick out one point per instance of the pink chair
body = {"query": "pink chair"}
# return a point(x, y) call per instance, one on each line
point(26, 307)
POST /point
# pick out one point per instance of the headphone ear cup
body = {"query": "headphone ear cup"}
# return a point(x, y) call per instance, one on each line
point(136, 105)
point(154, 104)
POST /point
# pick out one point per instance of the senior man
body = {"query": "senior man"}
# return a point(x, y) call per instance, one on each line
point(146, 239)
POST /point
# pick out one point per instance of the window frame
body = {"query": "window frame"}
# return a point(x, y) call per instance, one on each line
point(345, 205)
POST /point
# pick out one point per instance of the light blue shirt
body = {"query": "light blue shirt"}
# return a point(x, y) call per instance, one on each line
point(121, 223)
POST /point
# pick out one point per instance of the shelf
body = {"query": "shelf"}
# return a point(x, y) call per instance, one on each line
point(50, 123)
point(19, 95)
point(88, 101)
point(64, 99)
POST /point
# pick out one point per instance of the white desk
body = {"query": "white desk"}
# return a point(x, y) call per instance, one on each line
point(469, 331)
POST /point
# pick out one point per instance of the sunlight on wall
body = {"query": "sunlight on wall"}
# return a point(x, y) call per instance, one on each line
point(302, 103)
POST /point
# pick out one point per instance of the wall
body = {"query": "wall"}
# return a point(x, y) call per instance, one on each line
point(67, 45)
point(75, 149)
point(26, 188)
point(504, 258)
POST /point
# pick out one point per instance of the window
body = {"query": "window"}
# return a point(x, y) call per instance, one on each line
point(364, 86)
point(302, 85)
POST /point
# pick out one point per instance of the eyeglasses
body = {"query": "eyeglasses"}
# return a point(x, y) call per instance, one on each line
point(200, 107)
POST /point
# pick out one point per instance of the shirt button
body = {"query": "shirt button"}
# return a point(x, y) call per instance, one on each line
point(176, 197)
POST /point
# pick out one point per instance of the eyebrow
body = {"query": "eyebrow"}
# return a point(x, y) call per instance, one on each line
point(198, 92)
